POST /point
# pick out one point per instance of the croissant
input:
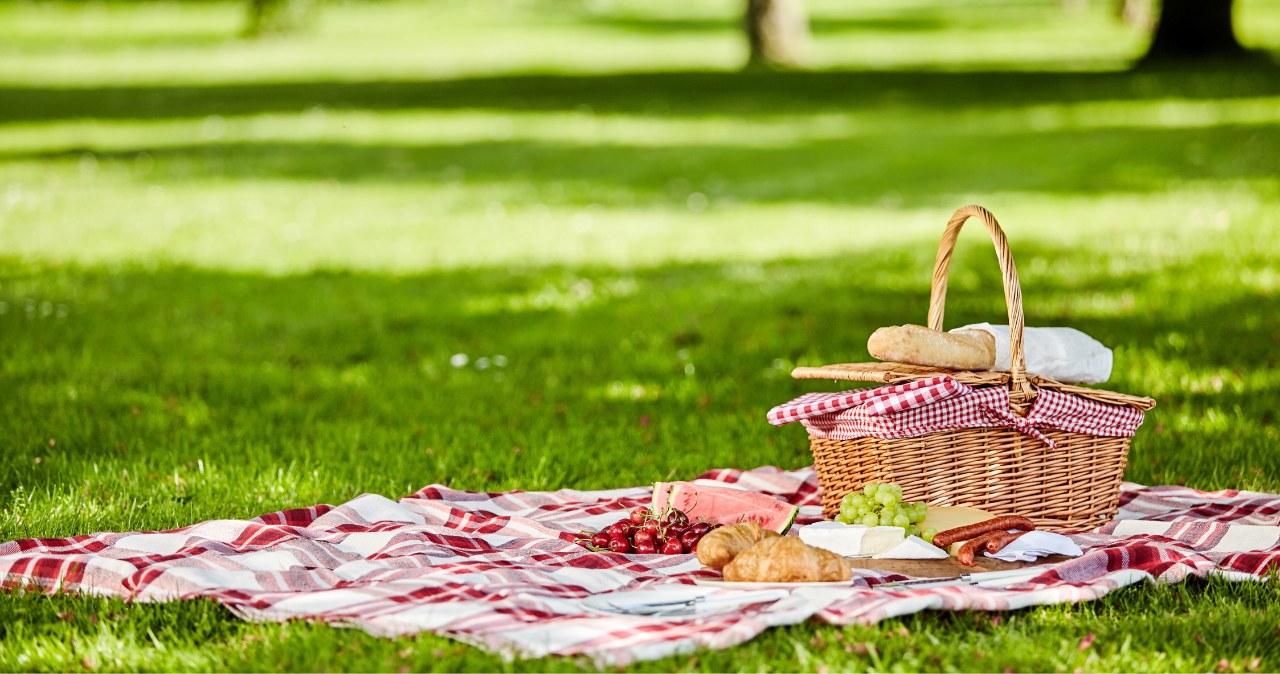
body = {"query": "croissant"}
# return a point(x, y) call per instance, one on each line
point(786, 559)
point(720, 546)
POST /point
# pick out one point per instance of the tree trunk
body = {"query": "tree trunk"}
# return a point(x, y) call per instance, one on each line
point(1190, 29)
point(777, 31)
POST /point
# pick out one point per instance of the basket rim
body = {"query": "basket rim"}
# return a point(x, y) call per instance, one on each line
point(897, 373)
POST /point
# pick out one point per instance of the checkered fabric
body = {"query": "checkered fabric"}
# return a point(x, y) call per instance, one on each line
point(501, 571)
point(875, 401)
point(943, 404)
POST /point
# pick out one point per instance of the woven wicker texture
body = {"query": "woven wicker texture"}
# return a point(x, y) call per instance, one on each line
point(1073, 487)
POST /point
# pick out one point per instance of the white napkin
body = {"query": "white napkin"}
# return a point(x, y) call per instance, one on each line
point(1036, 544)
point(1062, 354)
point(914, 547)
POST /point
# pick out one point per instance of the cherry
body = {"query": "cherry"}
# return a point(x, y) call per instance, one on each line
point(619, 545)
point(651, 526)
point(600, 539)
point(672, 546)
point(690, 540)
point(701, 527)
point(646, 548)
point(619, 529)
point(643, 536)
point(675, 517)
point(675, 531)
point(640, 515)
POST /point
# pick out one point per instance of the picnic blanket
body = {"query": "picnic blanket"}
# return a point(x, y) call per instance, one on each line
point(501, 570)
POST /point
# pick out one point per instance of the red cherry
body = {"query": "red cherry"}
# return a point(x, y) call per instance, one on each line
point(651, 526)
point(619, 529)
point(690, 540)
point(672, 546)
point(619, 545)
point(675, 531)
point(643, 536)
point(600, 539)
point(675, 517)
point(701, 527)
point(646, 548)
point(639, 515)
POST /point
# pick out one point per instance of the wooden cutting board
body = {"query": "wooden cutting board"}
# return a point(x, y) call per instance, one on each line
point(945, 568)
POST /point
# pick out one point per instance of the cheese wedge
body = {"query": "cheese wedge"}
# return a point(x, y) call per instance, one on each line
point(852, 540)
point(942, 518)
point(950, 517)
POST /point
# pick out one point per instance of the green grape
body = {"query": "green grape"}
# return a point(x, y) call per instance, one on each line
point(848, 512)
point(869, 489)
point(894, 489)
point(913, 530)
point(885, 520)
point(864, 510)
point(900, 520)
point(871, 520)
point(928, 534)
point(918, 512)
point(885, 497)
point(857, 499)
point(847, 500)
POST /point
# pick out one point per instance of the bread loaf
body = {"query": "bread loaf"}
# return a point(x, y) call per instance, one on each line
point(917, 345)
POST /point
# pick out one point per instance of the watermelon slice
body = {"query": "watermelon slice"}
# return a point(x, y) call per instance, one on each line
point(661, 497)
point(724, 505)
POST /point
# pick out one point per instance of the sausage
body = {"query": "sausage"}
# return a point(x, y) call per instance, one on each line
point(998, 543)
point(944, 538)
point(970, 548)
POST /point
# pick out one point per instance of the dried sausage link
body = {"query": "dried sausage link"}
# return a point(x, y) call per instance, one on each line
point(999, 543)
point(971, 546)
point(944, 538)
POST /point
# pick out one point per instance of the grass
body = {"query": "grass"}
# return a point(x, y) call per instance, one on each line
point(562, 244)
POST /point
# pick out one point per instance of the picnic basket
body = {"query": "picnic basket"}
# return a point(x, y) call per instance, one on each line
point(1074, 486)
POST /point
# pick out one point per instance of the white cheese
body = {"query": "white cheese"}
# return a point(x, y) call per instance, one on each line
point(850, 540)
point(914, 548)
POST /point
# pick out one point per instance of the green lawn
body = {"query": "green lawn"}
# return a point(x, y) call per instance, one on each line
point(542, 244)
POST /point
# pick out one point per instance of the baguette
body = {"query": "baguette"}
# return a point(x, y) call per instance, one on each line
point(916, 345)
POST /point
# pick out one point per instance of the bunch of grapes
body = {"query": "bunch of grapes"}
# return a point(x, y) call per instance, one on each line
point(879, 504)
point(646, 533)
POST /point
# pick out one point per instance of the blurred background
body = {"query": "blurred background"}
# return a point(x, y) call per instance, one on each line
point(286, 135)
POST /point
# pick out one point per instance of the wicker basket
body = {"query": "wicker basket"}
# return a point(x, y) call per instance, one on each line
point(1073, 487)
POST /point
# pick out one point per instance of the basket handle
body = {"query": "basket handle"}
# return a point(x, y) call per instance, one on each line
point(1021, 393)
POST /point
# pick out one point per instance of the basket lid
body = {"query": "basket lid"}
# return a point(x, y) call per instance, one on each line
point(897, 373)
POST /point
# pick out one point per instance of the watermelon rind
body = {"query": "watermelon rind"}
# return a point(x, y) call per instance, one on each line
point(661, 497)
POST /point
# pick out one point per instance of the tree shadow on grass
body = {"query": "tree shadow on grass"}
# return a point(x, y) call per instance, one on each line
point(659, 93)
point(817, 25)
point(912, 169)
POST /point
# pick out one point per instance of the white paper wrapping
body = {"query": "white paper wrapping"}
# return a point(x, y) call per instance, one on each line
point(1062, 354)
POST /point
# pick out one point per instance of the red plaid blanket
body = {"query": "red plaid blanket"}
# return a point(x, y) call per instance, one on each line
point(501, 571)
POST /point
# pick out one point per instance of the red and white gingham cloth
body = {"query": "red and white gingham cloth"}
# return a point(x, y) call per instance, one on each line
point(942, 404)
point(500, 570)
